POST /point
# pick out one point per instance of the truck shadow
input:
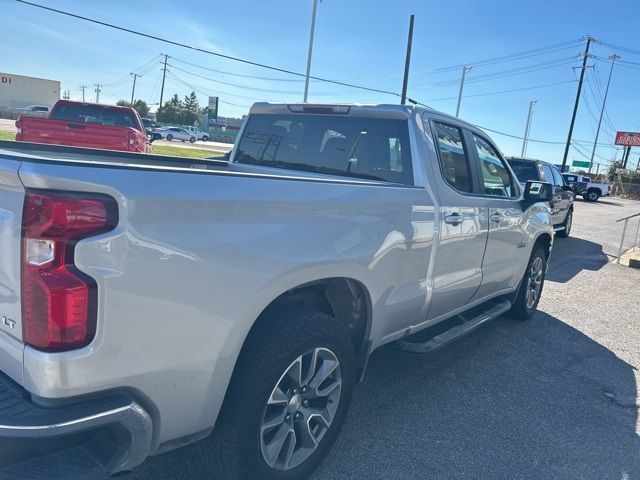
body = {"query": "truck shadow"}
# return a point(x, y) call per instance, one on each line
point(572, 255)
point(535, 399)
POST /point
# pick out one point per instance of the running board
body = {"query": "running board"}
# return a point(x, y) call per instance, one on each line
point(464, 326)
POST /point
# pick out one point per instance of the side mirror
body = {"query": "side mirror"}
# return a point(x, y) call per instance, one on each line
point(535, 192)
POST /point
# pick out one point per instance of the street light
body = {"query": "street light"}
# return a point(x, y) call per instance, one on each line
point(313, 28)
point(613, 59)
point(527, 128)
point(465, 70)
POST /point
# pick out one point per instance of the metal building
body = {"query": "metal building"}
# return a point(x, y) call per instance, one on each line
point(18, 91)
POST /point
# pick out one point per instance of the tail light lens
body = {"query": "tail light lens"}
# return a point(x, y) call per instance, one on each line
point(59, 302)
point(133, 141)
point(19, 126)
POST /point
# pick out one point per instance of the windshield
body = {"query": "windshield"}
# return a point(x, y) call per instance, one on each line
point(95, 114)
point(524, 170)
point(373, 148)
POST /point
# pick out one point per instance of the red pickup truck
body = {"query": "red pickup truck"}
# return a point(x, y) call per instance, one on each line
point(89, 125)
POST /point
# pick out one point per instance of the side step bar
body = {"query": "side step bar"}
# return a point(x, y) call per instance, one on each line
point(464, 326)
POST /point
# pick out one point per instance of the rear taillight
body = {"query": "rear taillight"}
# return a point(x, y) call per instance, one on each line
point(133, 141)
point(18, 127)
point(59, 306)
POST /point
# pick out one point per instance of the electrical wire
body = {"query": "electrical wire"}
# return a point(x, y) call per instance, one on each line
point(533, 87)
point(202, 50)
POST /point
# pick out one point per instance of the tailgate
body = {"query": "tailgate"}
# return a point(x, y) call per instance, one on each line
point(61, 132)
point(11, 200)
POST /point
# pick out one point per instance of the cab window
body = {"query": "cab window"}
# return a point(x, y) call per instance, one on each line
point(454, 159)
point(495, 175)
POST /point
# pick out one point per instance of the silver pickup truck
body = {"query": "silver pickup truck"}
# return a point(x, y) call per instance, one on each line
point(147, 302)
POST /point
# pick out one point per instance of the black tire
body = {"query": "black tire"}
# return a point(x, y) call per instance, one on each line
point(205, 138)
point(568, 222)
point(233, 451)
point(169, 137)
point(192, 140)
point(592, 195)
point(521, 310)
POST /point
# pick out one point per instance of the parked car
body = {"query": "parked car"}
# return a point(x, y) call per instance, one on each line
point(36, 111)
point(176, 133)
point(199, 134)
point(83, 124)
point(562, 205)
point(149, 301)
point(149, 125)
point(585, 186)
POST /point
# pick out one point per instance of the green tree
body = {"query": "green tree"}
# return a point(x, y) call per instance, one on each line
point(172, 111)
point(191, 109)
point(139, 106)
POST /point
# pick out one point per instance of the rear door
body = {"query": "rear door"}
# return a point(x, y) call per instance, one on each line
point(499, 192)
point(463, 224)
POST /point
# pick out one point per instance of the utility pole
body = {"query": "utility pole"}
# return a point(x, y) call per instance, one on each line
point(527, 127)
point(613, 59)
point(407, 62)
point(465, 70)
point(164, 73)
point(311, 33)
point(98, 90)
point(575, 106)
point(625, 157)
point(83, 88)
point(133, 90)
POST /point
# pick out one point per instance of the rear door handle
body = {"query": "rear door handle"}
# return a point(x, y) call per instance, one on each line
point(496, 217)
point(454, 218)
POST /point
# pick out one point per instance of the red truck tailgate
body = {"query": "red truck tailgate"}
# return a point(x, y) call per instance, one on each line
point(61, 132)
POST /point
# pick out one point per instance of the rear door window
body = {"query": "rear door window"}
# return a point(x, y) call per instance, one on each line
point(454, 159)
point(361, 147)
point(548, 173)
point(557, 178)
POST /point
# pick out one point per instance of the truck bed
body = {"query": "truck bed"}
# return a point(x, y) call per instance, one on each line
point(41, 151)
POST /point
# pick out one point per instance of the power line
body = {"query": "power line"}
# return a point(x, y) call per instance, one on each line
point(202, 50)
point(533, 87)
point(256, 77)
point(197, 89)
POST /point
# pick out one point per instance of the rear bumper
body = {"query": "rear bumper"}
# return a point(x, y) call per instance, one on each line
point(88, 439)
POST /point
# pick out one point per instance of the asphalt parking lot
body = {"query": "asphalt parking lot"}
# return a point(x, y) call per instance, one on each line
point(554, 397)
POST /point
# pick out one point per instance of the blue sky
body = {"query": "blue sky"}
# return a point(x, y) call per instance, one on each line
point(357, 42)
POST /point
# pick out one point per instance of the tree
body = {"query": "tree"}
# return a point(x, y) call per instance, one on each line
point(172, 111)
point(139, 106)
point(191, 109)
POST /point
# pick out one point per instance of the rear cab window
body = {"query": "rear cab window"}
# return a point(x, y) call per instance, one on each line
point(349, 146)
point(96, 115)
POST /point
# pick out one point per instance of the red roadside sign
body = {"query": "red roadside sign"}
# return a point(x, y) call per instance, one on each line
point(629, 139)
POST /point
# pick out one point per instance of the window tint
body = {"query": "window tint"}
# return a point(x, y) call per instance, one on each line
point(95, 114)
point(495, 175)
point(453, 156)
point(374, 148)
point(571, 178)
point(525, 170)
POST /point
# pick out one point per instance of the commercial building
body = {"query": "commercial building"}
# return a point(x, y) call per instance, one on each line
point(18, 91)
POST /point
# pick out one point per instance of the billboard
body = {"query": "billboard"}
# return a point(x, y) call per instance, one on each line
point(628, 139)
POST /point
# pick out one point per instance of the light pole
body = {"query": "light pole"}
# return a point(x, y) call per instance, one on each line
point(313, 29)
point(464, 73)
point(527, 127)
point(613, 59)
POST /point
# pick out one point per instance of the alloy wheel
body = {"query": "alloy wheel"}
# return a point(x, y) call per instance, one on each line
point(300, 409)
point(534, 282)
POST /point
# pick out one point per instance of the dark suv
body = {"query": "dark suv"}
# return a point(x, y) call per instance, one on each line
point(562, 206)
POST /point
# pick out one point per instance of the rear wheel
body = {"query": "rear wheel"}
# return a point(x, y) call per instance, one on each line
point(531, 285)
point(287, 399)
point(205, 138)
point(592, 195)
point(169, 137)
point(192, 140)
point(568, 222)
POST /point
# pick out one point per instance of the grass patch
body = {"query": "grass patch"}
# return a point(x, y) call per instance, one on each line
point(4, 135)
point(185, 152)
